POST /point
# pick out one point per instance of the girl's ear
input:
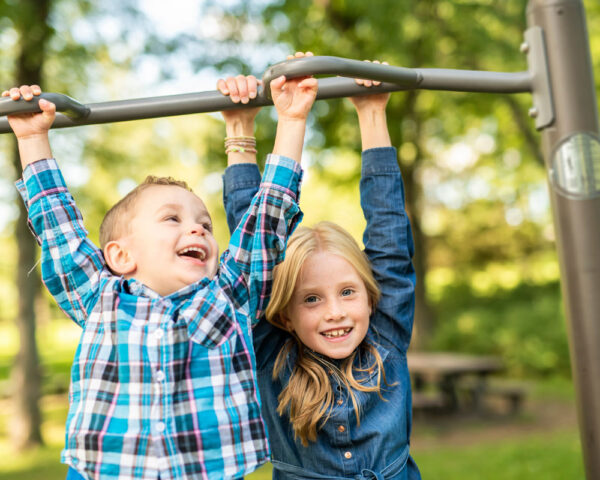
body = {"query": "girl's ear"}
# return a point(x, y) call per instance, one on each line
point(285, 322)
point(119, 259)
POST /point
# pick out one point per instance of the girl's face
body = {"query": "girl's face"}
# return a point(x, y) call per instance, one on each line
point(329, 310)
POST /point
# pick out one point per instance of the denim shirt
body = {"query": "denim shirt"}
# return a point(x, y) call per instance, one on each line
point(378, 447)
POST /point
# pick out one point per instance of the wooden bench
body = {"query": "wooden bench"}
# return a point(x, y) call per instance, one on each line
point(428, 401)
point(477, 392)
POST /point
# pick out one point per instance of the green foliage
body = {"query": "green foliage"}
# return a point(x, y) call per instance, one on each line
point(524, 325)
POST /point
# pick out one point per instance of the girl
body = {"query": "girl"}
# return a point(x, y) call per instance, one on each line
point(331, 358)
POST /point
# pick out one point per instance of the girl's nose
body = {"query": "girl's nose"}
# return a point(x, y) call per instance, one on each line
point(335, 313)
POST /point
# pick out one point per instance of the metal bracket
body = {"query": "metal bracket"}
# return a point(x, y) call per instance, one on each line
point(537, 61)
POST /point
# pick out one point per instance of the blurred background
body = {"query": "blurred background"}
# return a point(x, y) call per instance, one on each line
point(475, 185)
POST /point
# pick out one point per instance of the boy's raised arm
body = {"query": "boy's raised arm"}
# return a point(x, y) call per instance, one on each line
point(70, 262)
point(259, 241)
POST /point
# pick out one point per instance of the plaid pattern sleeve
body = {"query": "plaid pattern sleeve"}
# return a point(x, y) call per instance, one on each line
point(70, 263)
point(259, 241)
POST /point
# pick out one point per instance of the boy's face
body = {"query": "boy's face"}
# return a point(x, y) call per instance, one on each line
point(170, 239)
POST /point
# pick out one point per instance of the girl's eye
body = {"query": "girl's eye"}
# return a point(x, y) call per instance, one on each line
point(311, 299)
point(347, 291)
point(172, 218)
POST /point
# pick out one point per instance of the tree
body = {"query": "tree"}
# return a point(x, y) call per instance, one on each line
point(34, 32)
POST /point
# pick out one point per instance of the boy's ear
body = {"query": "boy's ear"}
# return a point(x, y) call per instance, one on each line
point(118, 258)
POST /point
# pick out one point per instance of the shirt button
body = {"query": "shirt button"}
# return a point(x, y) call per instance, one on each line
point(160, 427)
point(341, 429)
point(348, 455)
point(160, 375)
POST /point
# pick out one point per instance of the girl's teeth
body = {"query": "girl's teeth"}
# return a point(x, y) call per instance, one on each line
point(336, 333)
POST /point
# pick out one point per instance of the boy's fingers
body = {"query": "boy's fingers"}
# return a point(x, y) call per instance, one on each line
point(309, 82)
point(5, 93)
point(309, 54)
point(15, 93)
point(222, 86)
point(46, 106)
point(278, 82)
point(36, 89)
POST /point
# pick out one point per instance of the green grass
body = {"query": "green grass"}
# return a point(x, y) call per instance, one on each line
point(551, 457)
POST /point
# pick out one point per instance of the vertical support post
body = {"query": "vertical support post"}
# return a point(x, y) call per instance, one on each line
point(571, 147)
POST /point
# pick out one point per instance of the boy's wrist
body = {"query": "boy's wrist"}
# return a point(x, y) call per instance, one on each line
point(33, 148)
point(289, 139)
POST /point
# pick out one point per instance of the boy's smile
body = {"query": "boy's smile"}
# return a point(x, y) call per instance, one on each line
point(170, 239)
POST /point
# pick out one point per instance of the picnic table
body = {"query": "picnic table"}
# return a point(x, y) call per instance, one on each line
point(439, 379)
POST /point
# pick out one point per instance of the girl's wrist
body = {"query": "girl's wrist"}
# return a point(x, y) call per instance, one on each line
point(240, 127)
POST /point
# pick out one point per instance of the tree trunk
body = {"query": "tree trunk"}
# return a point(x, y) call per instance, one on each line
point(26, 432)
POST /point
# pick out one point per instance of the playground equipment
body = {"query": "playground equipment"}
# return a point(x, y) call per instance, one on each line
point(560, 79)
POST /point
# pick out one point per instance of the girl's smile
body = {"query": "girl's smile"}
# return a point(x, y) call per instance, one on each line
point(329, 310)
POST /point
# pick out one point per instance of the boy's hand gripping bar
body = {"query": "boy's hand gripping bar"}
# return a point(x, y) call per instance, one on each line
point(65, 104)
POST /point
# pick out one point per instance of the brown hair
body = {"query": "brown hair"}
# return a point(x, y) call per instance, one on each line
point(114, 224)
point(308, 396)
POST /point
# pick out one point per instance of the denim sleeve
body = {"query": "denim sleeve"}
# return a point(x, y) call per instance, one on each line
point(240, 184)
point(388, 245)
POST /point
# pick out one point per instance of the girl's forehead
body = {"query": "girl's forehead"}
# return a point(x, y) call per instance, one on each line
point(325, 266)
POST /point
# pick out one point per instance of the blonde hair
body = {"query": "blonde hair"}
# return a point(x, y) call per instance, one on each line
point(114, 224)
point(308, 395)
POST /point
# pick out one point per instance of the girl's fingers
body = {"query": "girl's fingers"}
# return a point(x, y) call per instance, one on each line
point(15, 93)
point(252, 86)
point(376, 82)
point(222, 86)
point(26, 92)
point(36, 89)
point(5, 93)
point(242, 88)
point(233, 89)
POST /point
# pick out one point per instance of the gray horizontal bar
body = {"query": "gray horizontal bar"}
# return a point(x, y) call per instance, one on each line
point(395, 78)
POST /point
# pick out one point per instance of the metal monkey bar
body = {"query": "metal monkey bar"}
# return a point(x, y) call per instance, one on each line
point(560, 79)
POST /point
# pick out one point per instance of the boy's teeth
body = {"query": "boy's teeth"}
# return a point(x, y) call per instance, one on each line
point(201, 254)
point(336, 333)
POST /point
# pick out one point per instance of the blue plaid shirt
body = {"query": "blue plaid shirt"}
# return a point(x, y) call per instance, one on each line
point(163, 386)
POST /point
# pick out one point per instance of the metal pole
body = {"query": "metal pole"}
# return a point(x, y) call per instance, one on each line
point(571, 149)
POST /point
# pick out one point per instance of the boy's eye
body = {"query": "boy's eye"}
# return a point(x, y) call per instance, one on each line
point(207, 227)
point(171, 218)
point(347, 291)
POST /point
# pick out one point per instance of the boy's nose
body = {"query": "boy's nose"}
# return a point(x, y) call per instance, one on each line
point(197, 229)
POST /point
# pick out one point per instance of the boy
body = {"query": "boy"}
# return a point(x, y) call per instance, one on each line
point(163, 383)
